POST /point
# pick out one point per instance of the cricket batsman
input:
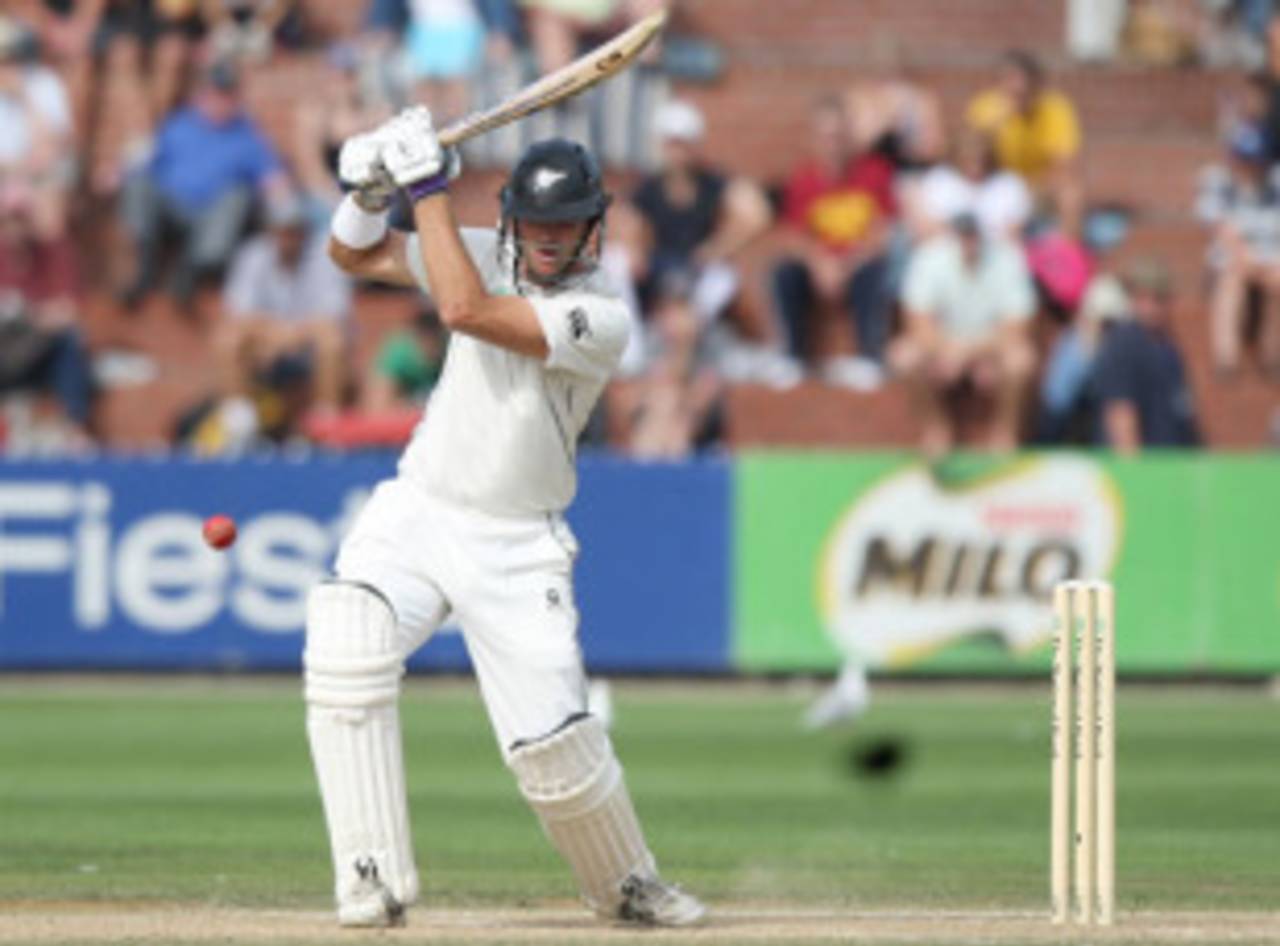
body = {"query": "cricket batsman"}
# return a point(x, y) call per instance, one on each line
point(472, 525)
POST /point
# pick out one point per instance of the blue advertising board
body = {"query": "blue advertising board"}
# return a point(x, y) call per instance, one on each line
point(102, 564)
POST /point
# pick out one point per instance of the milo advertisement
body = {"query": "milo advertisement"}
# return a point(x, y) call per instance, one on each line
point(950, 567)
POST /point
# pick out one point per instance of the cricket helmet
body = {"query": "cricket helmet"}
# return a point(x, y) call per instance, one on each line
point(555, 181)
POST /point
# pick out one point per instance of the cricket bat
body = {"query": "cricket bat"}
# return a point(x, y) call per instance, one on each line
point(581, 74)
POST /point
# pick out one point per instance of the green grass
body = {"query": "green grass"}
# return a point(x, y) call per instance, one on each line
point(202, 791)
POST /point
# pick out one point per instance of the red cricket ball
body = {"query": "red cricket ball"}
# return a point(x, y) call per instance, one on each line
point(219, 531)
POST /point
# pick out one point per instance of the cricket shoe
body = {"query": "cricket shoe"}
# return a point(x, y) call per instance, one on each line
point(649, 901)
point(369, 903)
point(847, 699)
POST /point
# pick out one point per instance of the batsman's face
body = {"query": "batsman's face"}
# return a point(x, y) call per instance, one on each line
point(547, 248)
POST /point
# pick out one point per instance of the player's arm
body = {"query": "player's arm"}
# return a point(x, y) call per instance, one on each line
point(360, 242)
point(417, 163)
point(385, 262)
point(460, 295)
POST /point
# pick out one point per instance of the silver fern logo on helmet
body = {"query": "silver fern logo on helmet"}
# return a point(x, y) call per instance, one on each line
point(546, 178)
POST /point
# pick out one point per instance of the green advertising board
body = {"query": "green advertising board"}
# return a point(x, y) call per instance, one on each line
point(948, 568)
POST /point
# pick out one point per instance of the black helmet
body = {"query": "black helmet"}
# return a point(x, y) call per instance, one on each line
point(555, 181)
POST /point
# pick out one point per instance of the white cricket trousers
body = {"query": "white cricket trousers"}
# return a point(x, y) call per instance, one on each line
point(507, 581)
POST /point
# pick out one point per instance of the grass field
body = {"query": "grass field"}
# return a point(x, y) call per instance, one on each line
point(176, 810)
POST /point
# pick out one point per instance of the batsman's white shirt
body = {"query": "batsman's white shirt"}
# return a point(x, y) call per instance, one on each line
point(472, 524)
point(501, 429)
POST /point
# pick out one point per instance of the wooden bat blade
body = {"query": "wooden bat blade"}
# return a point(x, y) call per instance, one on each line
point(581, 74)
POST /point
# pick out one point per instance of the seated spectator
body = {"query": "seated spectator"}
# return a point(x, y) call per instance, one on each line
point(41, 347)
point(558, 27)
point(1140, 381)
point(972, 183)
point(407, 366)
point(284, 326)
point(1240, 203)
point(444, 46)
point(432, 49)
point(899, 119)
point(1066, 410)
point(1248, 108)
point(66, 32)
point(382, 30)
point(1161, 33)
point(683, 229)
point(37, 150)
point(675, 406)
point(1231, 33)
point(1036, 134)
point(155, 43)
point(1061, 267)
point(839, 209)
point(199, 183)
point(968, 303)
point(505, 28)
point(339, 110)
point(104, 47)
point(244, 30)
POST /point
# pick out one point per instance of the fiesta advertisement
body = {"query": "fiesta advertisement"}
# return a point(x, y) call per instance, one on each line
point(102, 563)
point(949, 568)
point(769, 563)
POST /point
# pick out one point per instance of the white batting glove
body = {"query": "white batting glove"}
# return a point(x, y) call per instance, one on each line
point(360, 167)
point(413, 155)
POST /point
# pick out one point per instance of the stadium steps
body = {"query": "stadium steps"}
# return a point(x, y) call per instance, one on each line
point(1148, 132)
point(142, 417)
point(1236, 414)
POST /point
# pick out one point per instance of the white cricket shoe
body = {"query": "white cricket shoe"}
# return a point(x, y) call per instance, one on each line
point(847, 699)
point(650, 901)
point(369, 904)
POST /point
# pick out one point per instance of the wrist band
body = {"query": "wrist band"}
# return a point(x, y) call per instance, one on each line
point(355, 227)
point(428, 186)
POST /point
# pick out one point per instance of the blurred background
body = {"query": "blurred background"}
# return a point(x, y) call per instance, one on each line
point(935, 303)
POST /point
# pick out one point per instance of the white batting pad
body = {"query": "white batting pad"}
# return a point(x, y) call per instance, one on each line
point(353, 671)
point(573, 781)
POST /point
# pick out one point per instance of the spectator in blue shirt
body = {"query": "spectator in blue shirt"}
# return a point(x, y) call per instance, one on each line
point(1140, 380)
point(199, 186)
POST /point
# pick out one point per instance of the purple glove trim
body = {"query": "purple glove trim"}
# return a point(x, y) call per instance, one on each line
point(428, 186)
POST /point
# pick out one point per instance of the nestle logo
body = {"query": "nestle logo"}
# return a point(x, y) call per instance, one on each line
point(1042, 517)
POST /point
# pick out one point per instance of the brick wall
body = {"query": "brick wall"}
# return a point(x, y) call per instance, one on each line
point(1148, 132)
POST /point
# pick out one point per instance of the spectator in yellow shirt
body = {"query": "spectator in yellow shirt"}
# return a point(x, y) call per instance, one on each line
point(1036, 134)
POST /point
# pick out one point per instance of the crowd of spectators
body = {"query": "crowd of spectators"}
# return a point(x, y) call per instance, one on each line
point(222, 213)
point(947, 254)
point(957, 265)
point(1238, 203)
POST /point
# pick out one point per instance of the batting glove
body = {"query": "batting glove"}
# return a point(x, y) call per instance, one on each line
point(360, 168)
point(413, 155)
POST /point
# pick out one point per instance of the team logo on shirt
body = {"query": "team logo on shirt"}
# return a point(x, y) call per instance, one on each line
point(579, 328)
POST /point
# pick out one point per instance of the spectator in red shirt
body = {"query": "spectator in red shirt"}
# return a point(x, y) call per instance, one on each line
point(839, 210)
point(41, 347)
